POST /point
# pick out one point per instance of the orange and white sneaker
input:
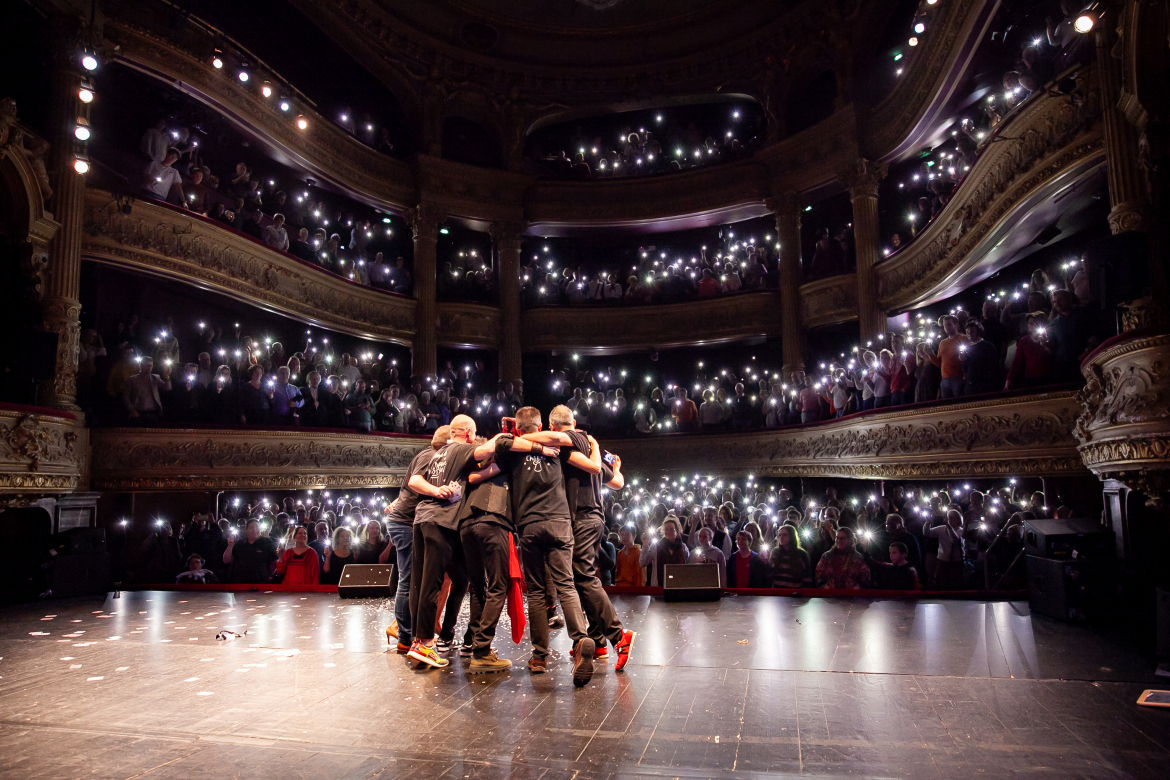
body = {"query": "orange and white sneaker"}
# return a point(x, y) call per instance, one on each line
point(622, 649)
point(425, 654)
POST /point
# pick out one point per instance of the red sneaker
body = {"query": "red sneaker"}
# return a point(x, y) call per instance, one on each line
point(623, 649)
point(601, 652)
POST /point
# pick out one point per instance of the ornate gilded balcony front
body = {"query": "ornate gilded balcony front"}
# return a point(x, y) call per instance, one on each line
point(997, 437)
point(606, 328)
point(40, 451)
point(142, 459)
point(1124, 426)
point(166, 242)
point(1053, 145)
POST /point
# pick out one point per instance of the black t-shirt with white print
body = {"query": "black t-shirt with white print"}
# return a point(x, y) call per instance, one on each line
point(402, 510)
point(452, 463)
point(538, 485)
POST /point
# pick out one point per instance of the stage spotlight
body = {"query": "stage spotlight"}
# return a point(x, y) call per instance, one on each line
point(81, 165)
point(89, 62)
point(1086, 22)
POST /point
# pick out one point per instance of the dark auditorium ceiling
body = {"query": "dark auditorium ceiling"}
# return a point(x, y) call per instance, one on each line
point(570, 52)
point(571, 33)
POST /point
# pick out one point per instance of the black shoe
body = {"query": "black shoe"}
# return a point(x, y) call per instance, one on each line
point(583, 662)
point(465, 650)
point(442, 646)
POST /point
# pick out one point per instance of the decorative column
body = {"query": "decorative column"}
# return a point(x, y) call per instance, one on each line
point(1127, 189)
point(506, 237)
point(424, 224)
point(786, 209)
point(862, 179)
point(61, 304)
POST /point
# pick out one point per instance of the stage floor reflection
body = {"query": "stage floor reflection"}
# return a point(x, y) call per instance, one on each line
point(138, 685)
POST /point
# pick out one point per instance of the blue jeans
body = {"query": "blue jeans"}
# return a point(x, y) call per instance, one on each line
point(950, 388)
point(881, 401)
point(400, 536)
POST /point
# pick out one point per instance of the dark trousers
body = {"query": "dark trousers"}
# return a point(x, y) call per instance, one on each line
point(436, 551)
point(550, 543)
point(603, 622)
point(485, 546)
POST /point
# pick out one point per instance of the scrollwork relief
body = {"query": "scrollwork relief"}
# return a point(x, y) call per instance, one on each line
point(161, 241)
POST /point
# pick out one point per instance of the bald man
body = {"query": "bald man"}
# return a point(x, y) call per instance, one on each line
point(435, 538)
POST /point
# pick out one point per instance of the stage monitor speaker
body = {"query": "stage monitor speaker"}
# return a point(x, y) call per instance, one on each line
point(1059, 539)
point(691, 582)
point(80, 574)
point(1070, 590)
point(365, 580)
point(80, 540)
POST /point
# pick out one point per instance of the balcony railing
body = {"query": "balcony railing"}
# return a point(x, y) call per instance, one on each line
point(144, 459)
point(993, 436)
point(165, 241)
point(41, 450)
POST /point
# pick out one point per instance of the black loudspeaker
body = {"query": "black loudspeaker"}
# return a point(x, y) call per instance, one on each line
point(365, 580)
point(80, 574)
point(1070, 590)
point(1060, 539)
point(79, 541)
point(691, 582)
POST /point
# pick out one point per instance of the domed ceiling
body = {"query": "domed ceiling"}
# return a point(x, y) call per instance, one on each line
point(572, 33)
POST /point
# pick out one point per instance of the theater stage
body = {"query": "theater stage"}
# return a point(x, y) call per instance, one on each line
point(139, 687)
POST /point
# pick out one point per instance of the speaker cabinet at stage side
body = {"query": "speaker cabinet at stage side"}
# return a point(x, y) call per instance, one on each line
point(691, 582)
point(365, 580)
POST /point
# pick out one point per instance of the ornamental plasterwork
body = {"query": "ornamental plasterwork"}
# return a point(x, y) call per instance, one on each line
point(38, 453)
point(1124, 424)
point(171, 244)
point(136, 459)
point(1050, 137)
point(1026, 435)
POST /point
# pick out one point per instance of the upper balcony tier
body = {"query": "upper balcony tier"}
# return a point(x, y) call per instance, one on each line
point(805, 162)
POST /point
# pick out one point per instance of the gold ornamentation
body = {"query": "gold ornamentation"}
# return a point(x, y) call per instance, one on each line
point(38, 453)
point(468, 324)
point(162, 241)
point(125, 459)
point(1050, 137)
point(651, 325)
point(1124, 425)
point(862, 177)
point(997, 437)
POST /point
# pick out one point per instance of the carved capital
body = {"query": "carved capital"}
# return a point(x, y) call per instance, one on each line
point(424, 220)
point(1124, 425)
point(507, 237)
point(863, 177)
point(1127, 217)
point(783, 206)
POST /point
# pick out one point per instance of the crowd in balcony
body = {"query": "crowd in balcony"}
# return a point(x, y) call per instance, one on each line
point(302, 224)
point(1030, 337)
point(141, 376)
point(649, 142)
point(1038, 50)
point(658, 275)
point(944, 537)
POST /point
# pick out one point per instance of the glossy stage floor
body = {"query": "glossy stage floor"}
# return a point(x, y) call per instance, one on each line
point(138, 686)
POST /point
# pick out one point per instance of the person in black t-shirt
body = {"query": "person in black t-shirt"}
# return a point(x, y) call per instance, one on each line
point(436, 546)
point(253, 559)
point(583, 491)
point(485, 526)
point(399, 527)
point(542, 515)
